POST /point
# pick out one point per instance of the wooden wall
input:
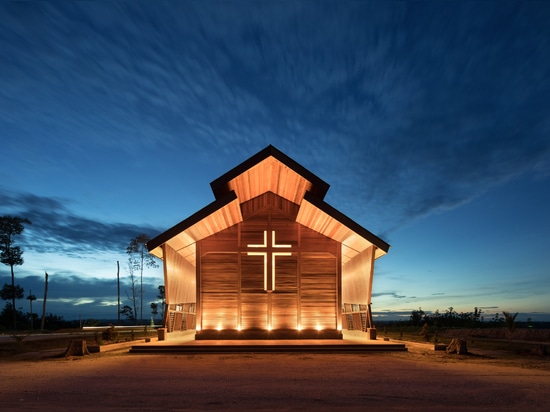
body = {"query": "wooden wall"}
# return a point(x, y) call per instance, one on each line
point(180, 277)
point(231, 283)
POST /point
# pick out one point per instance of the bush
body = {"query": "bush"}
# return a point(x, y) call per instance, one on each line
point(426, 332)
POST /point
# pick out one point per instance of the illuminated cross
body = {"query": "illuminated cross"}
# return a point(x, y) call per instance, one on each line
point(269, 250)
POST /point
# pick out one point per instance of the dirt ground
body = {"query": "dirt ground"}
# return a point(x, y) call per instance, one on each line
point(418, 380)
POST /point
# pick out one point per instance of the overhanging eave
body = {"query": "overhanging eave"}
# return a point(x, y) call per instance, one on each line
point(323, 218)
point(217, 216)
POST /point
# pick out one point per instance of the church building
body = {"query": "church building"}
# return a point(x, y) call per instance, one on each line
point(268, 259)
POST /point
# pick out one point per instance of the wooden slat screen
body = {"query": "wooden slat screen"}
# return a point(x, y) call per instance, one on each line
point(284, 313)
point(220, 310)
point(220, 272)
point(286, 268)
point(252, 273)
point(232, 282)
point(254, 311)
point(318, 290)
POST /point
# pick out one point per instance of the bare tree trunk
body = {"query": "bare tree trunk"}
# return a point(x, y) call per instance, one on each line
point(44, 304)
point(118, 287)
point(133, 297)
point(141, 294)
point(13, 298)
point(30, 300)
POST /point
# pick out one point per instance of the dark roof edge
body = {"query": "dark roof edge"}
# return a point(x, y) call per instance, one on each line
point(319, 186)
point(339, 216)
point(191, 220)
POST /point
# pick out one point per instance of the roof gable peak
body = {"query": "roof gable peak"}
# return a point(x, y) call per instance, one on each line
point(266, 165)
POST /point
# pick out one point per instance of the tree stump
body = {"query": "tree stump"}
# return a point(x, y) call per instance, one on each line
point(458, 346)
point(539, 350)
point(77, 348)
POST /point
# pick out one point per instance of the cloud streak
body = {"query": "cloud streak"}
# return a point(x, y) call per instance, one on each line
point(55, 229)
point(461, 121)
point(114, 116)
point(73, 296)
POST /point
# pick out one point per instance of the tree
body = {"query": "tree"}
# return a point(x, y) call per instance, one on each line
point(31, 297)
point(11, 226)
point(510, 321)
point(129, 313)
point(132, 295)
point(416, 317)
point(8, 292)
point(162, 297)
point(154, 309)
point(140, 258)
point(7, 313)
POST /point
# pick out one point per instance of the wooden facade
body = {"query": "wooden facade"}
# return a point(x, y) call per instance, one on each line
point(266, 269)
point(286, 285)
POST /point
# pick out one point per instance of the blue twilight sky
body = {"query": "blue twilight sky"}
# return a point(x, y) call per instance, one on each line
point(430, 121)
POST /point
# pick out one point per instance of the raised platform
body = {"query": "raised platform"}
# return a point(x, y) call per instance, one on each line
point(276, 335)
point(187, 344)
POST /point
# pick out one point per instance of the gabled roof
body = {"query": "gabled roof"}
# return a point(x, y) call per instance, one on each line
point(268, 171)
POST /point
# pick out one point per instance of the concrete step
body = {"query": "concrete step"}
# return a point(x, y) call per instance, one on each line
point(282, 348)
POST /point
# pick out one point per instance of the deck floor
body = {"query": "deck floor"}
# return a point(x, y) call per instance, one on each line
point(186, 343)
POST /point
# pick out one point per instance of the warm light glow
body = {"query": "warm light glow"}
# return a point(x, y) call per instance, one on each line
point(239, 328)
point(273, 265)
point(264, 254)
point(219, 327)
point(198, 328)
point(273, 255)
point(299, 327)
point(319, 327)
point(273, 242)
point(269, 328)
point(263, 244)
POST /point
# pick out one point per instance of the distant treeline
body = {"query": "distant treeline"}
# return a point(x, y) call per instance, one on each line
point(452, 319)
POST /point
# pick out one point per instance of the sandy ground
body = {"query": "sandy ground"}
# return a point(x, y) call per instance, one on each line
point(418, 380)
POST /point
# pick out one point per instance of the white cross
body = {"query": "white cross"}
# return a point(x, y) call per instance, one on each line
point(273, 255)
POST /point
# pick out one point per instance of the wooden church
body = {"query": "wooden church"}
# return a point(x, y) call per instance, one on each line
point(268, 259)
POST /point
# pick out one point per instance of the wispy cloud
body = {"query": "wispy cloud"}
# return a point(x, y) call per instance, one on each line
point(390, 294)
point(405, 110)
point(55, 228)
point(73, 296)
point(226, 78)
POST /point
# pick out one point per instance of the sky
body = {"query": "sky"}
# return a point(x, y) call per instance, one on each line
point(429, 120)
